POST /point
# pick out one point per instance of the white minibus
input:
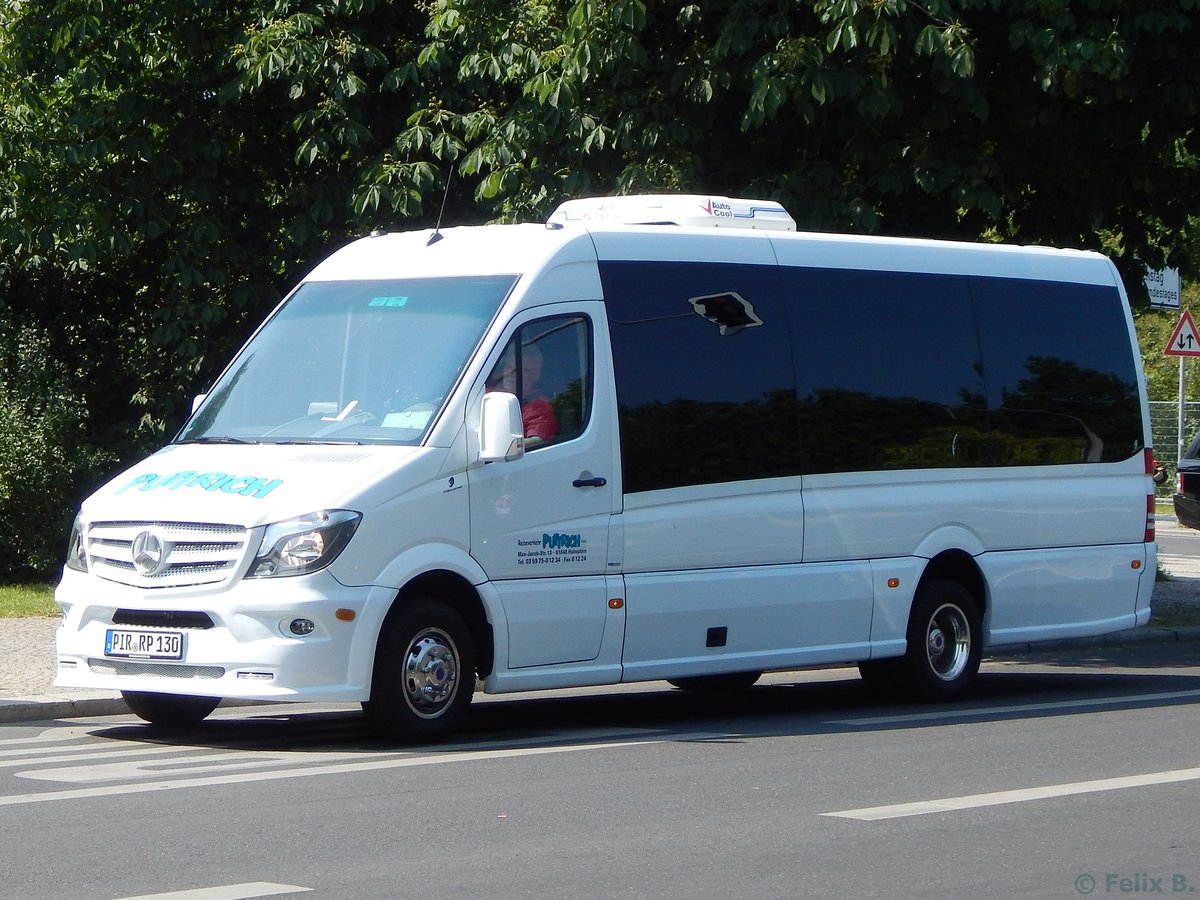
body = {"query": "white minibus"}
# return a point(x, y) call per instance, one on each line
point(657, 437)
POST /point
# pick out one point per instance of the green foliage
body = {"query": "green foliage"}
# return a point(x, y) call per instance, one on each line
point(169, 167)
point(1030, 121)
point(187, 160)
point(45, 460)
point(1154, 328)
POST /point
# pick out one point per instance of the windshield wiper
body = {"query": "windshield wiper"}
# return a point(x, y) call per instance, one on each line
point(217, 439)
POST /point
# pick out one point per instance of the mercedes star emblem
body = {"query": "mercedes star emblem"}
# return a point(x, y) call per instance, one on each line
point(149, 552)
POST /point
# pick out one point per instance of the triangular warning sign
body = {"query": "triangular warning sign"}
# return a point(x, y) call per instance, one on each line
point(1184, 339)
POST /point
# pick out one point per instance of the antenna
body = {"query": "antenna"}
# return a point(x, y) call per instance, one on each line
point(437, 233)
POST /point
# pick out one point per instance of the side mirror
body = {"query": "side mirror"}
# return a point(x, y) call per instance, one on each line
point(197, 400)
point(501, 433)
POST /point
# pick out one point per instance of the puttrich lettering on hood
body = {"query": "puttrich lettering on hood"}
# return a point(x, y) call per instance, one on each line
point(245, 485)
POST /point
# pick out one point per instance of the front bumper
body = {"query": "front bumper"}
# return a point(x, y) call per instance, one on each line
point(247, 653)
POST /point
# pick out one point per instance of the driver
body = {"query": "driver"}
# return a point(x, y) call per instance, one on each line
point(537, 415)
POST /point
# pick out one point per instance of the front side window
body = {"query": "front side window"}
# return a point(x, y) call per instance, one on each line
point(351, 361)
point(547, 365)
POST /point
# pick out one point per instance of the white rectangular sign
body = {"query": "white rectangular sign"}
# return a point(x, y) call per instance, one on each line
point(1164, 288)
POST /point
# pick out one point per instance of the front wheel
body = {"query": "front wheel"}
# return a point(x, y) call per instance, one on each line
point(424, 673)
point(169, 710)
point(945, 642)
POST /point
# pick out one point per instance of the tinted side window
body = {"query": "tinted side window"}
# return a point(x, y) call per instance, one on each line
point(705, 384)
point(891, 371)
point(888, 370)
point(1060, 373)
point(548, 365)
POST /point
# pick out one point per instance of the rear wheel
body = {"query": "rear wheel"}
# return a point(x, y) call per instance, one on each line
point(727, 683)
point(944, 642)
point(424, 673)
point(169, 710)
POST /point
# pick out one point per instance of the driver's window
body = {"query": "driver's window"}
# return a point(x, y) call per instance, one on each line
point(548, 365)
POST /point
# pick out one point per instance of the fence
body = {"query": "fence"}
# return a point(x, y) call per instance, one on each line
point(1164, 428)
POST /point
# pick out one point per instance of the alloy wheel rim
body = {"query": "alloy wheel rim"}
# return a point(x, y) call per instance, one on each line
point(431, 670)
point(948, 642)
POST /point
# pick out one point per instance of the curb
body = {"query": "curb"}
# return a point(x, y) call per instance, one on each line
point(37, 709)
point(1132, 637)
point(78, 706)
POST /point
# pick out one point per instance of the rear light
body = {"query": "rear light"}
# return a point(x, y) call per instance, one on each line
point(1186, 483)
point(1148, 537)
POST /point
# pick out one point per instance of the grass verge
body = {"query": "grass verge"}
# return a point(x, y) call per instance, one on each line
point(1174, 617)
point(18, 601)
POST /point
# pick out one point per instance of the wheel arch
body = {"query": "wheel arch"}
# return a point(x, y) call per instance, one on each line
point(944, 669)
point(457, 592)
point(961, 567)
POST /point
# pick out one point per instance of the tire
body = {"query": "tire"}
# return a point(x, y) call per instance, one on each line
point(945, 643)
point(727, 683)
point(424, 673)
point(169, 710)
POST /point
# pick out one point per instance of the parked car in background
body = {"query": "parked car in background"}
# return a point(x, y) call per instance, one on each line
point(1187, 486)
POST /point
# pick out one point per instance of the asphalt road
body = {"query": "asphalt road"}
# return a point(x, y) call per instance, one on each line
point(1177, 540)
point(1066, 776)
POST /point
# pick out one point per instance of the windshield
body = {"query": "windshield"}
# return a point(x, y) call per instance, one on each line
point(351, 361)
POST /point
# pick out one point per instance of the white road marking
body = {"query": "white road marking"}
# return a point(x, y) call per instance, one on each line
point(1021, 795)
point(367, 765)
point(245, 891)
point(131, 769)
point(984, 711)
point(50, 735)
point(76, 753)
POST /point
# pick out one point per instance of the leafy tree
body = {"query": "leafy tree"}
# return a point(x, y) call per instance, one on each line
point(180, 162)
point(44, 454)
point(166, 169)
point(169, 167)
point(1044, 122)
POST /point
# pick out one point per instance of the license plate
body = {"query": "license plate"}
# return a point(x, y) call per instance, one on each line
point(144, 644)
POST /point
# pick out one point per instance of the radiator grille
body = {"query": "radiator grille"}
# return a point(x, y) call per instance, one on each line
point(162, 618)
point(182, 554)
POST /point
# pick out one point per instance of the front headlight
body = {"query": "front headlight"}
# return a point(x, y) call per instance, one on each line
point(304, 545)
point(76, 549)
